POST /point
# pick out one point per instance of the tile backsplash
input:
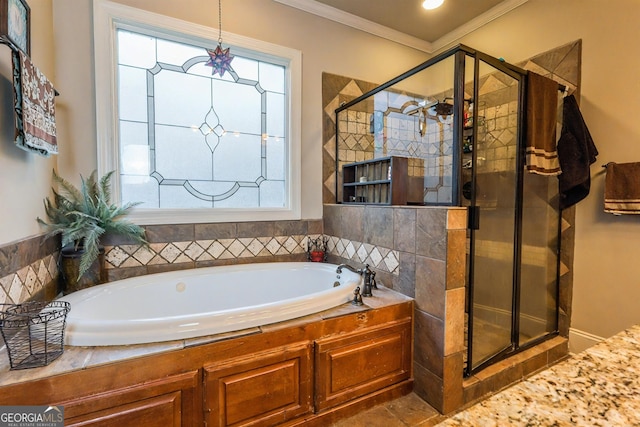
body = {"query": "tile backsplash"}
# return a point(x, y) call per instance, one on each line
point(26, 283)
point(259, 248)
point(29, 268)
point(123, 256)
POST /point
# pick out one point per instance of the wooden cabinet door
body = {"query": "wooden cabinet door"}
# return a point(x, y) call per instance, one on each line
point(263, 389)
point(160, 411)
point(354, 365)
point(169, 402)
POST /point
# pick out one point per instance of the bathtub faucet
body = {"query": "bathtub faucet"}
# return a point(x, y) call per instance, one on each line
point(368, 276)
point(369, 281)
point(348, 267)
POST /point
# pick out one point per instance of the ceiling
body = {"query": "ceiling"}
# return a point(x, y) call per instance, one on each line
point(406, 22)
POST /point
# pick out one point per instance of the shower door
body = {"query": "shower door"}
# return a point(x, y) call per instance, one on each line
point(494, 209)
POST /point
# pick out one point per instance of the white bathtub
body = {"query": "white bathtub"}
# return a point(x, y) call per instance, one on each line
point(191, 303)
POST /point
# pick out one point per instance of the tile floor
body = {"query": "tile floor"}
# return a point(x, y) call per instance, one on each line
point(407, 411)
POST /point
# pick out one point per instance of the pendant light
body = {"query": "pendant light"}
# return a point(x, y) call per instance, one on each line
point(220, 59)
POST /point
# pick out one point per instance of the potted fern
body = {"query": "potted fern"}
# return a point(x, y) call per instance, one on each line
point(81, 216)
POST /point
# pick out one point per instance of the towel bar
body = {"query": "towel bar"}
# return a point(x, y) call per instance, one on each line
point(12, 46)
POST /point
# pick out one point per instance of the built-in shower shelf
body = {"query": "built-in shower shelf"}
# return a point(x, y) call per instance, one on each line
point(381, 181)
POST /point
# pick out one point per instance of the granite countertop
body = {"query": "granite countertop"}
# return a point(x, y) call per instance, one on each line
point(598, 387)
point(76, 358)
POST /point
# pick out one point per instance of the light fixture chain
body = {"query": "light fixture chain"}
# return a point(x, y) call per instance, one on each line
point(219, 58)
point(219, 21)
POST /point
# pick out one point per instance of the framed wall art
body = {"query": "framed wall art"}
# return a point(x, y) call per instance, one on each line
point(15, 25)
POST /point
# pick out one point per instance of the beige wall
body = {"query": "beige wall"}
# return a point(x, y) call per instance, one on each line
point(25, 177)
point(606, 281)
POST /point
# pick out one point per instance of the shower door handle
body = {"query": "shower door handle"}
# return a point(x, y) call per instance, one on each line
point(473, 217)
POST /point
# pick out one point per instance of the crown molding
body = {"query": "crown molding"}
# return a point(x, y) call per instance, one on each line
point(353, 21)
point(494, 13)
point(337, 15)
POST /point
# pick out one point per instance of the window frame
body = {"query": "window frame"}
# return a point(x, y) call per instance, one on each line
point(108, 17)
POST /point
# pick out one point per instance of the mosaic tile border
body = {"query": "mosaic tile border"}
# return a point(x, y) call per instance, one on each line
point(124, 256)
point(378, 257)
point(26, 283)
point(203, 250)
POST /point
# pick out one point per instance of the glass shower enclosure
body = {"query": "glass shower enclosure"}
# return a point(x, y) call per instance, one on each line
point(456, 124)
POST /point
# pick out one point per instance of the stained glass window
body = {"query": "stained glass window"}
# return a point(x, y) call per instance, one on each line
point(190, 139)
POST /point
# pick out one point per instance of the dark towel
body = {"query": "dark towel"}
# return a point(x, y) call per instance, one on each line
point(622, 188)
point(576, 152)
point(542, 109)
point(35, 114)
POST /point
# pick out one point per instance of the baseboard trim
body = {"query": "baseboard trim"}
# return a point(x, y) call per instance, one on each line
point(582, 340)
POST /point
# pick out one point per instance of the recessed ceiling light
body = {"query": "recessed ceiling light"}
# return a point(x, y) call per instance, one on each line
point(432, 4)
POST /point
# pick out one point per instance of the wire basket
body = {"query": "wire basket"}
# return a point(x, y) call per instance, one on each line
point(33, 332)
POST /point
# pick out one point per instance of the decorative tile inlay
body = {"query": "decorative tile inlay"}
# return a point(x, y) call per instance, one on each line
point(193, 251)
point(205, 250)
point(116, 256)
point(272, 246)
point(236, 248)
point(24, 284)
point(143, 255)
point(362, 253)
point(216, 249)
point(350, 250)
point(170, 252)
point(391, 261)
point(377, 257)
point(15, 290)
point(291, 245)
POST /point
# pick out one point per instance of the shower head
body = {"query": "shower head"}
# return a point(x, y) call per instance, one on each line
point(442, 108)
point(414, 107)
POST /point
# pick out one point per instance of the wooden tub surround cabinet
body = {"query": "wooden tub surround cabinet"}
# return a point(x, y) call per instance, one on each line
point(310, 371)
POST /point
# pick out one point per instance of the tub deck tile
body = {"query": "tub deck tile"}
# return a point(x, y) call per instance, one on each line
point(292, 322)
point(78, 358)
point(343, 310)
point(192, 342)
point(109, 354)
point(73, 359)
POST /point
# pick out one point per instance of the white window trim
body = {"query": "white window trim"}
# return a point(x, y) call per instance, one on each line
point(107, 18)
